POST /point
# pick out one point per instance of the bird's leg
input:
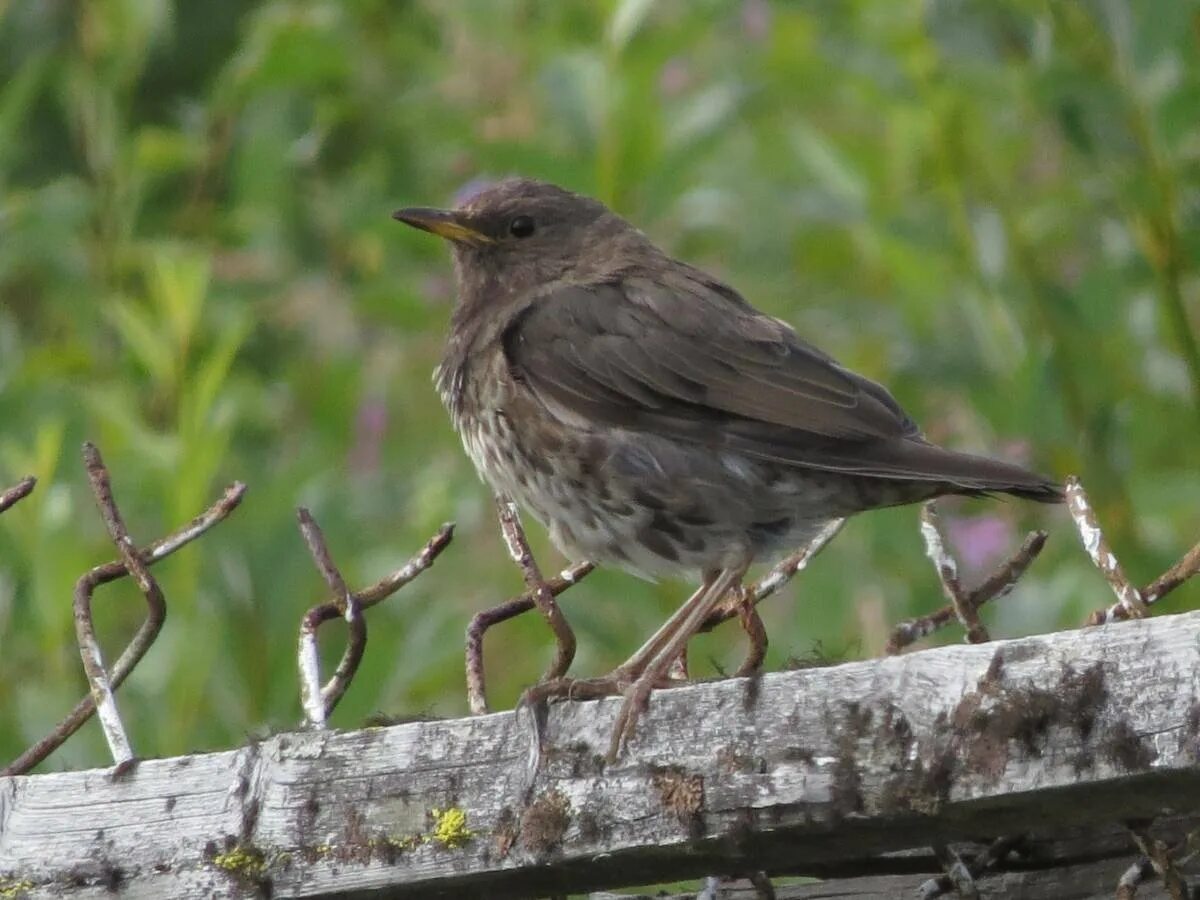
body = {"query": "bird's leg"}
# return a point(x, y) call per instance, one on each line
point(779, 575)
point(636, 664)
point(755, 630)
point(742, 598)
point(688, 620)
point(620, 678)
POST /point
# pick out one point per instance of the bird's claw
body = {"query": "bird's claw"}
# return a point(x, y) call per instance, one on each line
point(635, 688)
point(637, 699)
point(544, 691)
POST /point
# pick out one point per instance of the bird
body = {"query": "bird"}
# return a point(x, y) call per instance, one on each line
point(651, 418)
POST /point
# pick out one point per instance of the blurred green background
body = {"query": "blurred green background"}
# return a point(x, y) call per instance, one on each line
point(992, 207)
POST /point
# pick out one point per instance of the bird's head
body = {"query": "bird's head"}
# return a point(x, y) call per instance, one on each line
point(519, 234)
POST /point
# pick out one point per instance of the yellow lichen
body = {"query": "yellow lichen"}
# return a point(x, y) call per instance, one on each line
point(11, 889)
point(450, 827)
point(449, 830)
point(245, 861)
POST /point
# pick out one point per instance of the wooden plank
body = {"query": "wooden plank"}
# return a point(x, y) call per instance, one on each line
point(816, 771)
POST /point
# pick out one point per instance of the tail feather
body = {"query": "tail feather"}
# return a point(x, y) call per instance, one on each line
point(968, 474)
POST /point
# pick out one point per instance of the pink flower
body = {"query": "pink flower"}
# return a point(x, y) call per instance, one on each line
point(980, 541)
point(756, 19)
point(674, 78)
point(370, 428)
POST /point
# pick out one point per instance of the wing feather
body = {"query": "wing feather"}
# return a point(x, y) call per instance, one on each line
point(685, 357)
point(688, 362)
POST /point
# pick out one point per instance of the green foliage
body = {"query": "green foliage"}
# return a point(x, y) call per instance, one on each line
point(990, 206)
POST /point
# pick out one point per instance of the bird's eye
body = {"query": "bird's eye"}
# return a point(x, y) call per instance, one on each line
point(521, 226)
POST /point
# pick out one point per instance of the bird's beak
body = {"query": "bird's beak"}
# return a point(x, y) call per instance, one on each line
point(447, 223)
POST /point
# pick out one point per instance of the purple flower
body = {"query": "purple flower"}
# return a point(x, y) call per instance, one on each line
point(674, 78)
point(981, 541)
point(756, 19)
point(370, 428)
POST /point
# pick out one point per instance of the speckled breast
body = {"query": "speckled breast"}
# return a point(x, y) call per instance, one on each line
point(649, 505)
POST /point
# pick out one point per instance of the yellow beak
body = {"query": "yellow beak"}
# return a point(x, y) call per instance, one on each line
point(445, 223)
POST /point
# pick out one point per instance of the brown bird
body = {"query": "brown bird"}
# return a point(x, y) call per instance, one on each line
point(650, 417)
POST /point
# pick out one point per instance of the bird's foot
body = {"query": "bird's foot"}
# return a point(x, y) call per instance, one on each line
point(609, 685)
point(634, 686)
point(537, 699)
point(637, 698)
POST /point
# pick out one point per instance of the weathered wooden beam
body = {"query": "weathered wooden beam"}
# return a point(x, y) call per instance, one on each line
point(819, 771)
point(1084, 863)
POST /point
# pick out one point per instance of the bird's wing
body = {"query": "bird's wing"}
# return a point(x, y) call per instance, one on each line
point(690, 359)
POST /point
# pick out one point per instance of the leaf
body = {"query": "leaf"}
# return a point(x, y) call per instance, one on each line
point(626, 21)
point(830, 168)
point(205, 383)
point(178, 283)
point(578, 91)
point(705, 114)
point(151, 349)
point(16, 100)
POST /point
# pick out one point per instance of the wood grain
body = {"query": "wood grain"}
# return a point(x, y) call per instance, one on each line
point(816, 772)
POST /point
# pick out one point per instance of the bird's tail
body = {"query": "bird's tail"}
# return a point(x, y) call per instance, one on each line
point(965, 473)
point(949, 472)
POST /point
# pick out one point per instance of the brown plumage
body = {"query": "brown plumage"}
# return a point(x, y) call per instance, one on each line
point(649, 416)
